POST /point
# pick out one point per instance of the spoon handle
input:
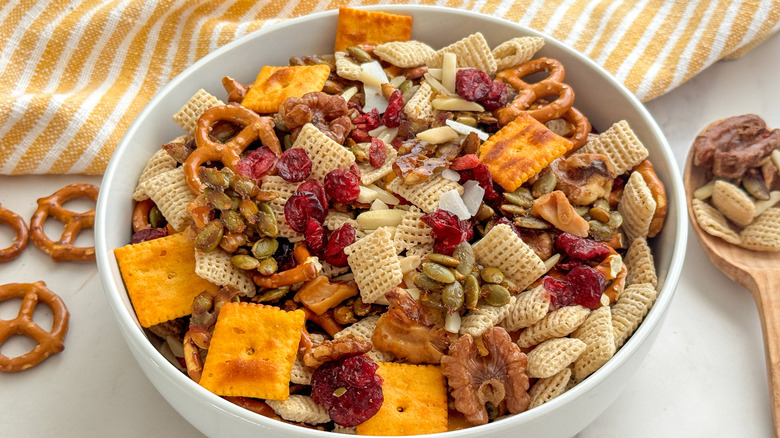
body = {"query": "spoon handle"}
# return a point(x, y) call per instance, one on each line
point(768, 304)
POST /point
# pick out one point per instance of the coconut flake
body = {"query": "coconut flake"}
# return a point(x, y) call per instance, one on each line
point(452, 202)
point(464, 129)
point(472, 196)
point(450, 175)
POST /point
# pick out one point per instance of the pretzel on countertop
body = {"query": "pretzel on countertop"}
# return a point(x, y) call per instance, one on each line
point(21, 234)
point(48, 342)
point(551, 86)
point(64, 249)
point(255, 127)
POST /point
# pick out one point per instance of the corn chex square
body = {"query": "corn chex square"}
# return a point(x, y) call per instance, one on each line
point(284, 190)
point(274, 85)
point(160, 162)
point(375, 265)
point(160, 277)
point(252, 351)
point(187, 117)
point(501, 248)
point(472, 51)
point(764, 233)
point(620, 144)
point(325, 154)
point(412, 231)
point(548, 388)
point(426, 194)
point(713, 221)
point(404, 54)
point(420, 106)
point(516, 51)
point(172, 195)
point(637, 207)
point(216, 267)
point(415, 401)
point(357, 26)
point(599, 338)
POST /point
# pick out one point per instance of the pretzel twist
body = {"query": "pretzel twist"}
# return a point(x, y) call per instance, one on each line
point(255, 127)
point(534, 98)
point(21, 234)
point(48, 343)
point(63, 249)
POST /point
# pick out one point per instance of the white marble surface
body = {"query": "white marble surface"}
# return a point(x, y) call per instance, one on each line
point(705, 376)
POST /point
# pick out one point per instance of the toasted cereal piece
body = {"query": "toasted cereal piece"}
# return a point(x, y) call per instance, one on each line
point(375, 264)
point(187, 117)
point(172, 195)
point(404, 54)
point(713, 222)
point(412, 231)
point(528, 309)
point(345, 430)
point(358, 26)
point(620, 145)
point(640, 264)
point(346, 67)
point(335, 219)
point(420, 251)
point(415, 401)
point(553, 356)
point(764, 233)
point(630, 309)
point(472, 51)
point(216, 267)
point(556, 324)
point(325, 153)
point(331, 271)
point(516, 51)
point(274, 85)
point(426, 194)
point(284, 189)
point(370, 174)
point(420, 106)
point(501, 248)
point(300, 409)
point(252, 351)
point(521, 149)
point(485, 316)
point(599, 338)
point(548, 388)
point(159, 277)
point(733, 202)
point(637, 207)
point(160, 162)
point(300, 374)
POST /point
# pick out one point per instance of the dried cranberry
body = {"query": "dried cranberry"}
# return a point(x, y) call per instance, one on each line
point(581, 248)
point(583, 285)
point(315, 237)
point(350, 389)
point(496, 97)
point(448, 230)
point(377, 153)
point(301, 207)
point(481, 174)
point(149, 234)
point(342, 185)
point(341, 238)
point(367, 121)
point(360, 136)
point(394, 110)
point(284, 254)
point(294, 165)
point(315, 187)
point(256, 163)
point(472, 84)
point(356, 170)
point(465, 162)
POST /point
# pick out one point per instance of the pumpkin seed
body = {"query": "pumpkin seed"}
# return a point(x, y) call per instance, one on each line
point(245, 262)
point(531, 222)
point(209, 237)
point(464, 253)
point(485, 212)
point(360, 308)
point(544, 185)
point(213, 178)
point(600, 231)
point(581, 210)
point(442, 259)
point(615, 220)
point(156, 218)
point(495, 294)
point(359, 54)
point(267, 267)
point(425, 282)
point(513, 209)
point(438, 272)
point(405, 86)
point(244, 187)
point(520, 197)
point(599, 214)
point(219, 199)
point(332, 87)
point(492, 275)
point(471, 291)
point(274, 294)
point(265, 248)
point(452, 296)
point(344, 315)
point(233, 221)
point(248, 209)
point(266, 223)
point(510, 285)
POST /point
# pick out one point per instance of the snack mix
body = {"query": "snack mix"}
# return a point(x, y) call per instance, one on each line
point(394, 239)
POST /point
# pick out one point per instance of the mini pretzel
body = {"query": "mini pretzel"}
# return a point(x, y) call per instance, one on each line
point(255, 127)
point(63, 249)
point(18, 224)
point(50, 342)
point(645, 168)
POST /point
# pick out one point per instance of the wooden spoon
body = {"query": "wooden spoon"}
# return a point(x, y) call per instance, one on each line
point(756, 271)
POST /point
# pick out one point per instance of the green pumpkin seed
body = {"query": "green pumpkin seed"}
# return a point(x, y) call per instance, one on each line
point(274, 294)
point(267, 267)
point(600, 231)
point(513, 209)
point(359, 54)
point(492, 275)
point(156, 218)
point(209, 237)
point(233, 221)
point(544, 184)
point(266, 222)
point(464, 253)
point(244, 187)
point(581, 210)
point(248, 209)
point(425, 282)
point(484, 212)
point(599, 214)
point(438, 272)
point(521, 197)
point(615, 220)
point(405, 86)
point(265, 248)
point(332, 87)
point(213, 178)
point(471, 291)
point(531, 222)
point(219, 199)
point(443, 259)
point(452, 296)
point(495, 295)
point(244, 262)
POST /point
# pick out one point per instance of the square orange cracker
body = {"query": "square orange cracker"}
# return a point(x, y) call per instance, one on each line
point(415, 401)
point(274, 85)
point(160, 277)
point(356, 26)
point(521, 149)
point(252, 351)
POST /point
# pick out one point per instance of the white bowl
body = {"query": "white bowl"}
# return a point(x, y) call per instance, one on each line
point(598, 95)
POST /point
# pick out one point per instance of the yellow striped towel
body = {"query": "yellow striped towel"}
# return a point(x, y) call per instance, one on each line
point(74, 73)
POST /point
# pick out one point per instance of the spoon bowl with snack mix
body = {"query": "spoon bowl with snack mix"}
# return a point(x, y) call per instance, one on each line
point(735, 217)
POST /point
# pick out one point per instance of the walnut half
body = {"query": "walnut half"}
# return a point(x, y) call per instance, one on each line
point(476, 380)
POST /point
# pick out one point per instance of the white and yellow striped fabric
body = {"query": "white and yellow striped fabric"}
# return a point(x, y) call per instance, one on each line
point(74, 73)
